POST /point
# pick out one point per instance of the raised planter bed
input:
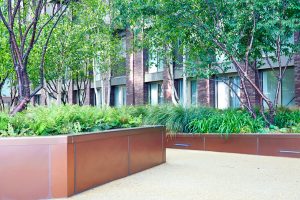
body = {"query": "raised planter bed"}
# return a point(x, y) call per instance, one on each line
point(60, 166)
point(281, 145)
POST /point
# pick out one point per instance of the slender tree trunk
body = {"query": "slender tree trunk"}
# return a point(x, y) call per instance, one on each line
point(95, 85)
point(174, 95)
point(103, 94)
point(108, 86)
point(1, 98)
point(59, 92)
point(184, 80)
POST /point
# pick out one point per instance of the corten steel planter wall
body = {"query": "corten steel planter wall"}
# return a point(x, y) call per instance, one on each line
point(60, 166)
point(282, 145)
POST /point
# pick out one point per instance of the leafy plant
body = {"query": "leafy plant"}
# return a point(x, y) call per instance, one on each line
point(68, 119)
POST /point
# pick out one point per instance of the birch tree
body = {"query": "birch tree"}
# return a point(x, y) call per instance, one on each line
point(22, 19)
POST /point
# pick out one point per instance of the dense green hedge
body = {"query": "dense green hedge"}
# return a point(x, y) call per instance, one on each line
point(68, 119)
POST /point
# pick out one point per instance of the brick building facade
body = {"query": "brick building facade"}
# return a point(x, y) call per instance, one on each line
point(141, 85)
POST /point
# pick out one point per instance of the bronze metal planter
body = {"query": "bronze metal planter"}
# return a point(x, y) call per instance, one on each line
point(282, 145)
point(60, 166)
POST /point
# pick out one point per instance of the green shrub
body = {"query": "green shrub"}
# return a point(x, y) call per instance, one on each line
point(55, 120)
point(157, 115)
point(227, 121)
point(286, 118)
point(4, 120)
point(178, 119)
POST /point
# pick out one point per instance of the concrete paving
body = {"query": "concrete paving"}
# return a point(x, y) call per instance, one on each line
point(196, 175)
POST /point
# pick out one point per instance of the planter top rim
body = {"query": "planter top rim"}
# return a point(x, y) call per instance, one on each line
point(235, 134)
point(69, 137)
point(113, 130)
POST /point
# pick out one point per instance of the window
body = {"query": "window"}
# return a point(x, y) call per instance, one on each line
point(99, 97)
point(92, 97)
point(180, 90)
point(123, 51)
point(78, 96)
point(52, 99)
point(119, 64)
point(5, 92)
point(155, 93)
point(234, 85)
point(287, 91)
point(120, 95)
point(227, 92)
point(193, 92)
point(37, 99)
point(155, 62)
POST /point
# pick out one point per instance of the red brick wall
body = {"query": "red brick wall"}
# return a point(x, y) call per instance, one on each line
point(253, 95)
point(135, 64)
point(130, 70)
point(206, 92)
point(139, 78)
point(167, 85)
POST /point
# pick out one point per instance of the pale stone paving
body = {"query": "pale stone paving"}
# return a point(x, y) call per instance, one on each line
point(196, 175)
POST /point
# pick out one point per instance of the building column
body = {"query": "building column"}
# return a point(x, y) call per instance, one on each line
point(87, 100)
point(206, 92)
point(167, 85)
point(255, 99)
point(135, 92)
point(44, 97)
point(130, 71)
point(71, 93)
point(139, 77)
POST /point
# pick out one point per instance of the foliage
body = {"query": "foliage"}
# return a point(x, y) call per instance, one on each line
point(5, 58)
point(68, 119)
point(56, 120)
point(287, 117)
point(203, 120)
point(6, 65)
point(219, 35)
point(228, 121)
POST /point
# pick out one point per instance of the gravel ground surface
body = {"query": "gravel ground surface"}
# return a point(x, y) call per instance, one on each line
point(207, 175)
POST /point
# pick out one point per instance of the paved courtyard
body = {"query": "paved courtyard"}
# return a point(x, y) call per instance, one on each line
point(200, 175)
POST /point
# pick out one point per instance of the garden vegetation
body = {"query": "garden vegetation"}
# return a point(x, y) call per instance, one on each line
point(72, 119)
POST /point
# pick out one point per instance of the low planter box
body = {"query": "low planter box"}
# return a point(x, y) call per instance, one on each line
point(283, 145)
point(60, 166)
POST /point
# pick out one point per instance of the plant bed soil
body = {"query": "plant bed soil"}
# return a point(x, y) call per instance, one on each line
point(281, 145)
point(60, 166)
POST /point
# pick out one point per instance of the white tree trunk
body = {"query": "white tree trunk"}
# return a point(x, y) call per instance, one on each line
point(184, 80)
point(97, 100)
point(58, 100)
point(103, 104)
point(174, 95)
point(108, 87)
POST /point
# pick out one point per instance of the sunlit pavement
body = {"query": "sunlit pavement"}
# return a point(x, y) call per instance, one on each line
point(207, 175)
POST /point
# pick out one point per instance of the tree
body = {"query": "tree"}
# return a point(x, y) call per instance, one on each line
point(109, 54)
point(23, 21)
point(6, 62)
point(154, 32)
point(83, 43)
point(69, 60)
point(247, 34)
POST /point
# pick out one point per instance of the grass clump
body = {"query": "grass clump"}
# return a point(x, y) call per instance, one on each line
point(178, 119)
point(197, 120)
